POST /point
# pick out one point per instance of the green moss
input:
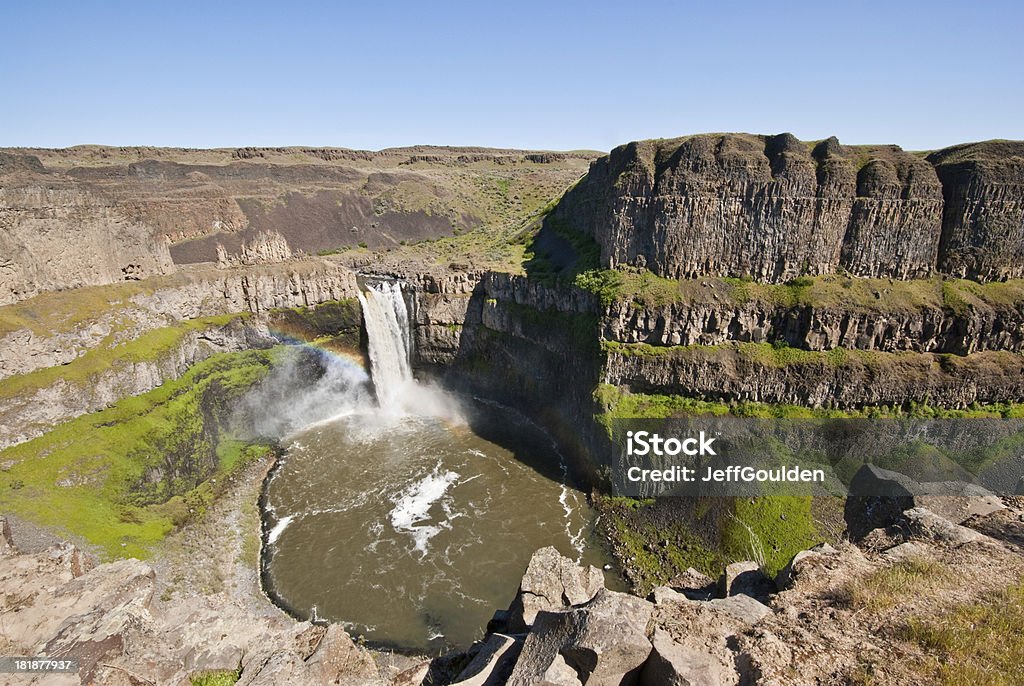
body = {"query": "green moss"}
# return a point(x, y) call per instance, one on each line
point(656, 540)
point(652, 552)
point(150, 346)
point(769, 530)
point(218, 678)
point(50, 313)
point(776, 354)
point(621, 404)
point(123, 478)
point(604, 283)
point(832, 291)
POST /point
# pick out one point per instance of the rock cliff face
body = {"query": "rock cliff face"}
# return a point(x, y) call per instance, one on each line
point(983, 223)
point(929, 328)
point(508, 338)
point(56, 235)
point(774, 208)
point(727, 373)
point(97, 215)
point(24, 416)
point(191, 293)
point(265, 247)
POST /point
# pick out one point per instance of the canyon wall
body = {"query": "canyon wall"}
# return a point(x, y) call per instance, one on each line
point(848, 381)
point(97, 215)
point(930, 327)
point(521, 343)
point(56, 235)
point(150, 335)
point(128, 311)
point(774, 208)
point(26, 413)
point(983, 221)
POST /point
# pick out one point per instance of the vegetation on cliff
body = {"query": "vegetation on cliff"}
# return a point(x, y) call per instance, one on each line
point(150, 346)
point(122, 478)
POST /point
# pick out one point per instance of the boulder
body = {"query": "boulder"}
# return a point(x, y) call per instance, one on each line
point(551, 582)
point(693, 584)
point(413, 676)
point(604, 642)
point(99, 636)
point(312, 656)
point(493, 664)
point(338, 660)
point(880, 496)
point(742, 608)
point(6, 542)
point(686, 664)
point(744, 578)
point(788, 574)
point(923, 523)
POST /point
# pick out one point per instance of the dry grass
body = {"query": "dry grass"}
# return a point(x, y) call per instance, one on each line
point(977, 643)
point(890, 587)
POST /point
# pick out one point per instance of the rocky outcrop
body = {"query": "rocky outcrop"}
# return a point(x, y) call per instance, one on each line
point(713, 319)
point(983, 220)
point(604, 642)
point(774, 208)
point(109, 619)
point(551, 582)
point(28, 414)
point(815, 626)
point(55, 236)
point(265, 247)
point(878, 497)
point(191, 293)
point(728, 373)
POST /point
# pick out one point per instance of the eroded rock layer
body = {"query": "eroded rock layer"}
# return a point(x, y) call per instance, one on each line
point(774, 208)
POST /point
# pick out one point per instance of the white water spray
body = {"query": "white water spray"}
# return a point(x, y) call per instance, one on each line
point(387, 328)
point(389, 333)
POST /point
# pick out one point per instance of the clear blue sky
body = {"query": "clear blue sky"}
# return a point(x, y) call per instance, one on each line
point(557, 75)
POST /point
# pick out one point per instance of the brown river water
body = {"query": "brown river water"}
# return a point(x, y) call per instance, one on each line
point(411, 531)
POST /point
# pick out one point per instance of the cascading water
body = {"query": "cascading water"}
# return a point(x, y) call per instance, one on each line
point(398, 519)
point(390, 342)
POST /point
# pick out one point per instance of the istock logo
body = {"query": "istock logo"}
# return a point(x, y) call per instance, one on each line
point(641, 443)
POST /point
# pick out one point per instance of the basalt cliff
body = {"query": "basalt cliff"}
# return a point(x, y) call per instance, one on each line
point(774, 208)
point(143, 291)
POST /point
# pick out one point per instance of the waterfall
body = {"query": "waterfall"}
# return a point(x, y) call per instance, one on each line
point(390, 339)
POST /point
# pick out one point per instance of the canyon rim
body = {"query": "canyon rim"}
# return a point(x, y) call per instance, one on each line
point(319, 415)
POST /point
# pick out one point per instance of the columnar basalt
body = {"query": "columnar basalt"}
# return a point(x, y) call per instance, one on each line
point(983, 223)
point(774, 208)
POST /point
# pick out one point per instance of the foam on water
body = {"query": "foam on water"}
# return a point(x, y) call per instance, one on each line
point(279, 528)
point(413, 505)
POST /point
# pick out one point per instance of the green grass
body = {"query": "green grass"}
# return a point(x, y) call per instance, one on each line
point(657, 540)
point(832, 291)
point(621, 404)
point(772, 528)
point(121, 479)
point(979, 643)
point(653, 552)
point(58, 311)
point(889, 587)
point(150, 346)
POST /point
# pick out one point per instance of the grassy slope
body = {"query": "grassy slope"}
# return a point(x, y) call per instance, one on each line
point(87, 477)
point(150, 346)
